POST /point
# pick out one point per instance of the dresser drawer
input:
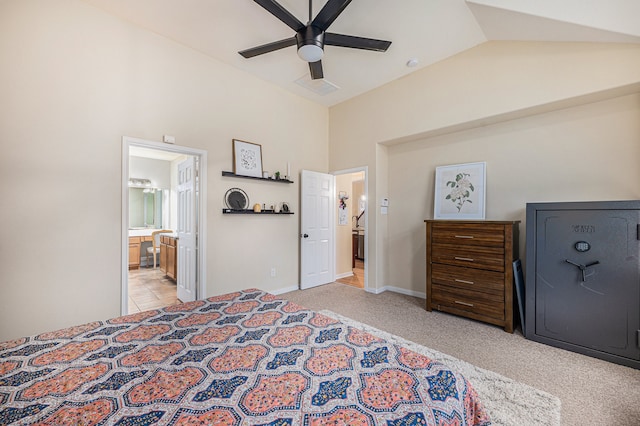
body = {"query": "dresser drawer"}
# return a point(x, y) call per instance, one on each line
point(490, 258)
point(468, 279)
point(484, 304)
point(468, 234)
point(469, 269)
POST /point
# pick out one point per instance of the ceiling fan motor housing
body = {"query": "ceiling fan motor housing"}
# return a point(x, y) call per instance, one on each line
point(311, 40)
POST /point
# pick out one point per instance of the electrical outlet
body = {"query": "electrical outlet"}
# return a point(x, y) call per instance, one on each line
point(273, 272)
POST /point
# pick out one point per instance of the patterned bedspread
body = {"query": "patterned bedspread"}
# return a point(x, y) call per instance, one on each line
point(242, 358)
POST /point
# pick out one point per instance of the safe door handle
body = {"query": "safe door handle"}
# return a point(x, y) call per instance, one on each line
point(583, 268)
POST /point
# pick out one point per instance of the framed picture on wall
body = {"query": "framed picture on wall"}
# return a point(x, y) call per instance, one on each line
point(247, 158)
point(342, 208)
point(460, 191)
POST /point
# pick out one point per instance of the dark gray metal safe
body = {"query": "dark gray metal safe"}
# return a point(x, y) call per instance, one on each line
point(583, 278)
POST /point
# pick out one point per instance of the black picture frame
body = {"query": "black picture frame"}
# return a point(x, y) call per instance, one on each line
point(247, 158)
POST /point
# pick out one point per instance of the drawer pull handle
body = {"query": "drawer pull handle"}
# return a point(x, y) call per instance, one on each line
point(464, 281)
point(464, 236)
point(464, 303)
point(466, 259)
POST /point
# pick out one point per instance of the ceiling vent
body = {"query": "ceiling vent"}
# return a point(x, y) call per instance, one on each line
point(319, 86)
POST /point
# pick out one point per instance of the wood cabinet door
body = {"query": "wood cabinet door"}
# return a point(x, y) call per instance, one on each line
point(172, 267)
point(163, 257)
point(134, 255)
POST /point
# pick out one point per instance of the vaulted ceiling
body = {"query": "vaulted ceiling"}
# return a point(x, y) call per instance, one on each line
point(426, 30)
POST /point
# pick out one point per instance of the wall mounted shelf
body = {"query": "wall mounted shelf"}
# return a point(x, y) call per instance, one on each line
point(249, 211)
point(231, 174)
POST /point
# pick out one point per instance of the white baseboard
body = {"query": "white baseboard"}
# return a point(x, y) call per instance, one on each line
point(284, 290)
point(345, 275)
point(404, 291)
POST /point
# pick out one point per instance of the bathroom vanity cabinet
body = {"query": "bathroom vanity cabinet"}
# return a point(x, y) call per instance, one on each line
point(169, 256)
point(135, 250)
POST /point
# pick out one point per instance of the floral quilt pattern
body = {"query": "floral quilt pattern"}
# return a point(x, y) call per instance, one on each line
point(244, 358)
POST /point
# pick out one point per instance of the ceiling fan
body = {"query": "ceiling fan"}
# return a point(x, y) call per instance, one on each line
point(312, 37)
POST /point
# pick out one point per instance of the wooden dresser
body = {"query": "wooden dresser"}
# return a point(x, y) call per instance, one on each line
point(469, 269)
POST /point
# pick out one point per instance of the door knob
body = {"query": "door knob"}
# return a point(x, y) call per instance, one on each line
point(305, 236)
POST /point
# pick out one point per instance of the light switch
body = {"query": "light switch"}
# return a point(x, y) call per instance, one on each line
point(385, 202)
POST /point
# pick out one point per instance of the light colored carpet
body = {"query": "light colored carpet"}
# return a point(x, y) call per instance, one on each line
point(592, 391)
point(507, 401)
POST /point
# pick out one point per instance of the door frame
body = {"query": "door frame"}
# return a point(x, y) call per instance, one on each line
point(201, 202)
point(364, 169)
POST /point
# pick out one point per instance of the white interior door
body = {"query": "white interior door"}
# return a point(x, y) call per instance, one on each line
point(186, 281)
point(317, 265)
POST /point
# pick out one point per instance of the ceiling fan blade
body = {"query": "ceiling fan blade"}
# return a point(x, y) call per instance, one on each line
point(342, 40)
point(282, 14)
point(269, 47)
point(316, 70)
point(331, 10)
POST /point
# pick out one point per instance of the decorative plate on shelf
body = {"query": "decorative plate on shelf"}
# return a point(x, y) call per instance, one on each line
point(236, 199)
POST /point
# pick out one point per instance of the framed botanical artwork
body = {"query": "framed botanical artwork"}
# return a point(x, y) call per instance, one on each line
point(460, 191)
point(247, 158)
point(342, 208)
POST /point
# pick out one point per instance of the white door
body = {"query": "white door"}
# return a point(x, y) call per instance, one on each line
point(317, 229)
point(187, 230)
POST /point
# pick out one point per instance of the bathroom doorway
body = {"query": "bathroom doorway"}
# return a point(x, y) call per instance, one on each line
point(351, 227)
point(150, 203)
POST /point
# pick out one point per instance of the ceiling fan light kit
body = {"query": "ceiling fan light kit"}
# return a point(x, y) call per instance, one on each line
point(310, 44)
point(312, 38)
point(310, 53)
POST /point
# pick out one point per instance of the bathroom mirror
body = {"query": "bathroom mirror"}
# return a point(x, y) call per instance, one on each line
point(145, 208)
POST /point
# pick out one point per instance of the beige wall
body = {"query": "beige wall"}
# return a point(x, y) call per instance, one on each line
point(157, 171)
point(343, 232)
point(489, 84)
point(584, 153)
point(74, 81)
point(357, 187)
point(353, 185)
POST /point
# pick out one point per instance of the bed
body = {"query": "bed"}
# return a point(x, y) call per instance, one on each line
point(247, 358)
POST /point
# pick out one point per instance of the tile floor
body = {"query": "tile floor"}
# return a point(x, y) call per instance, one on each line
point(149, 288)
point(357, 280)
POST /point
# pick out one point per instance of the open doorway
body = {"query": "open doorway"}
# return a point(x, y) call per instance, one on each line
point(351, 227)
point(164, 191)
